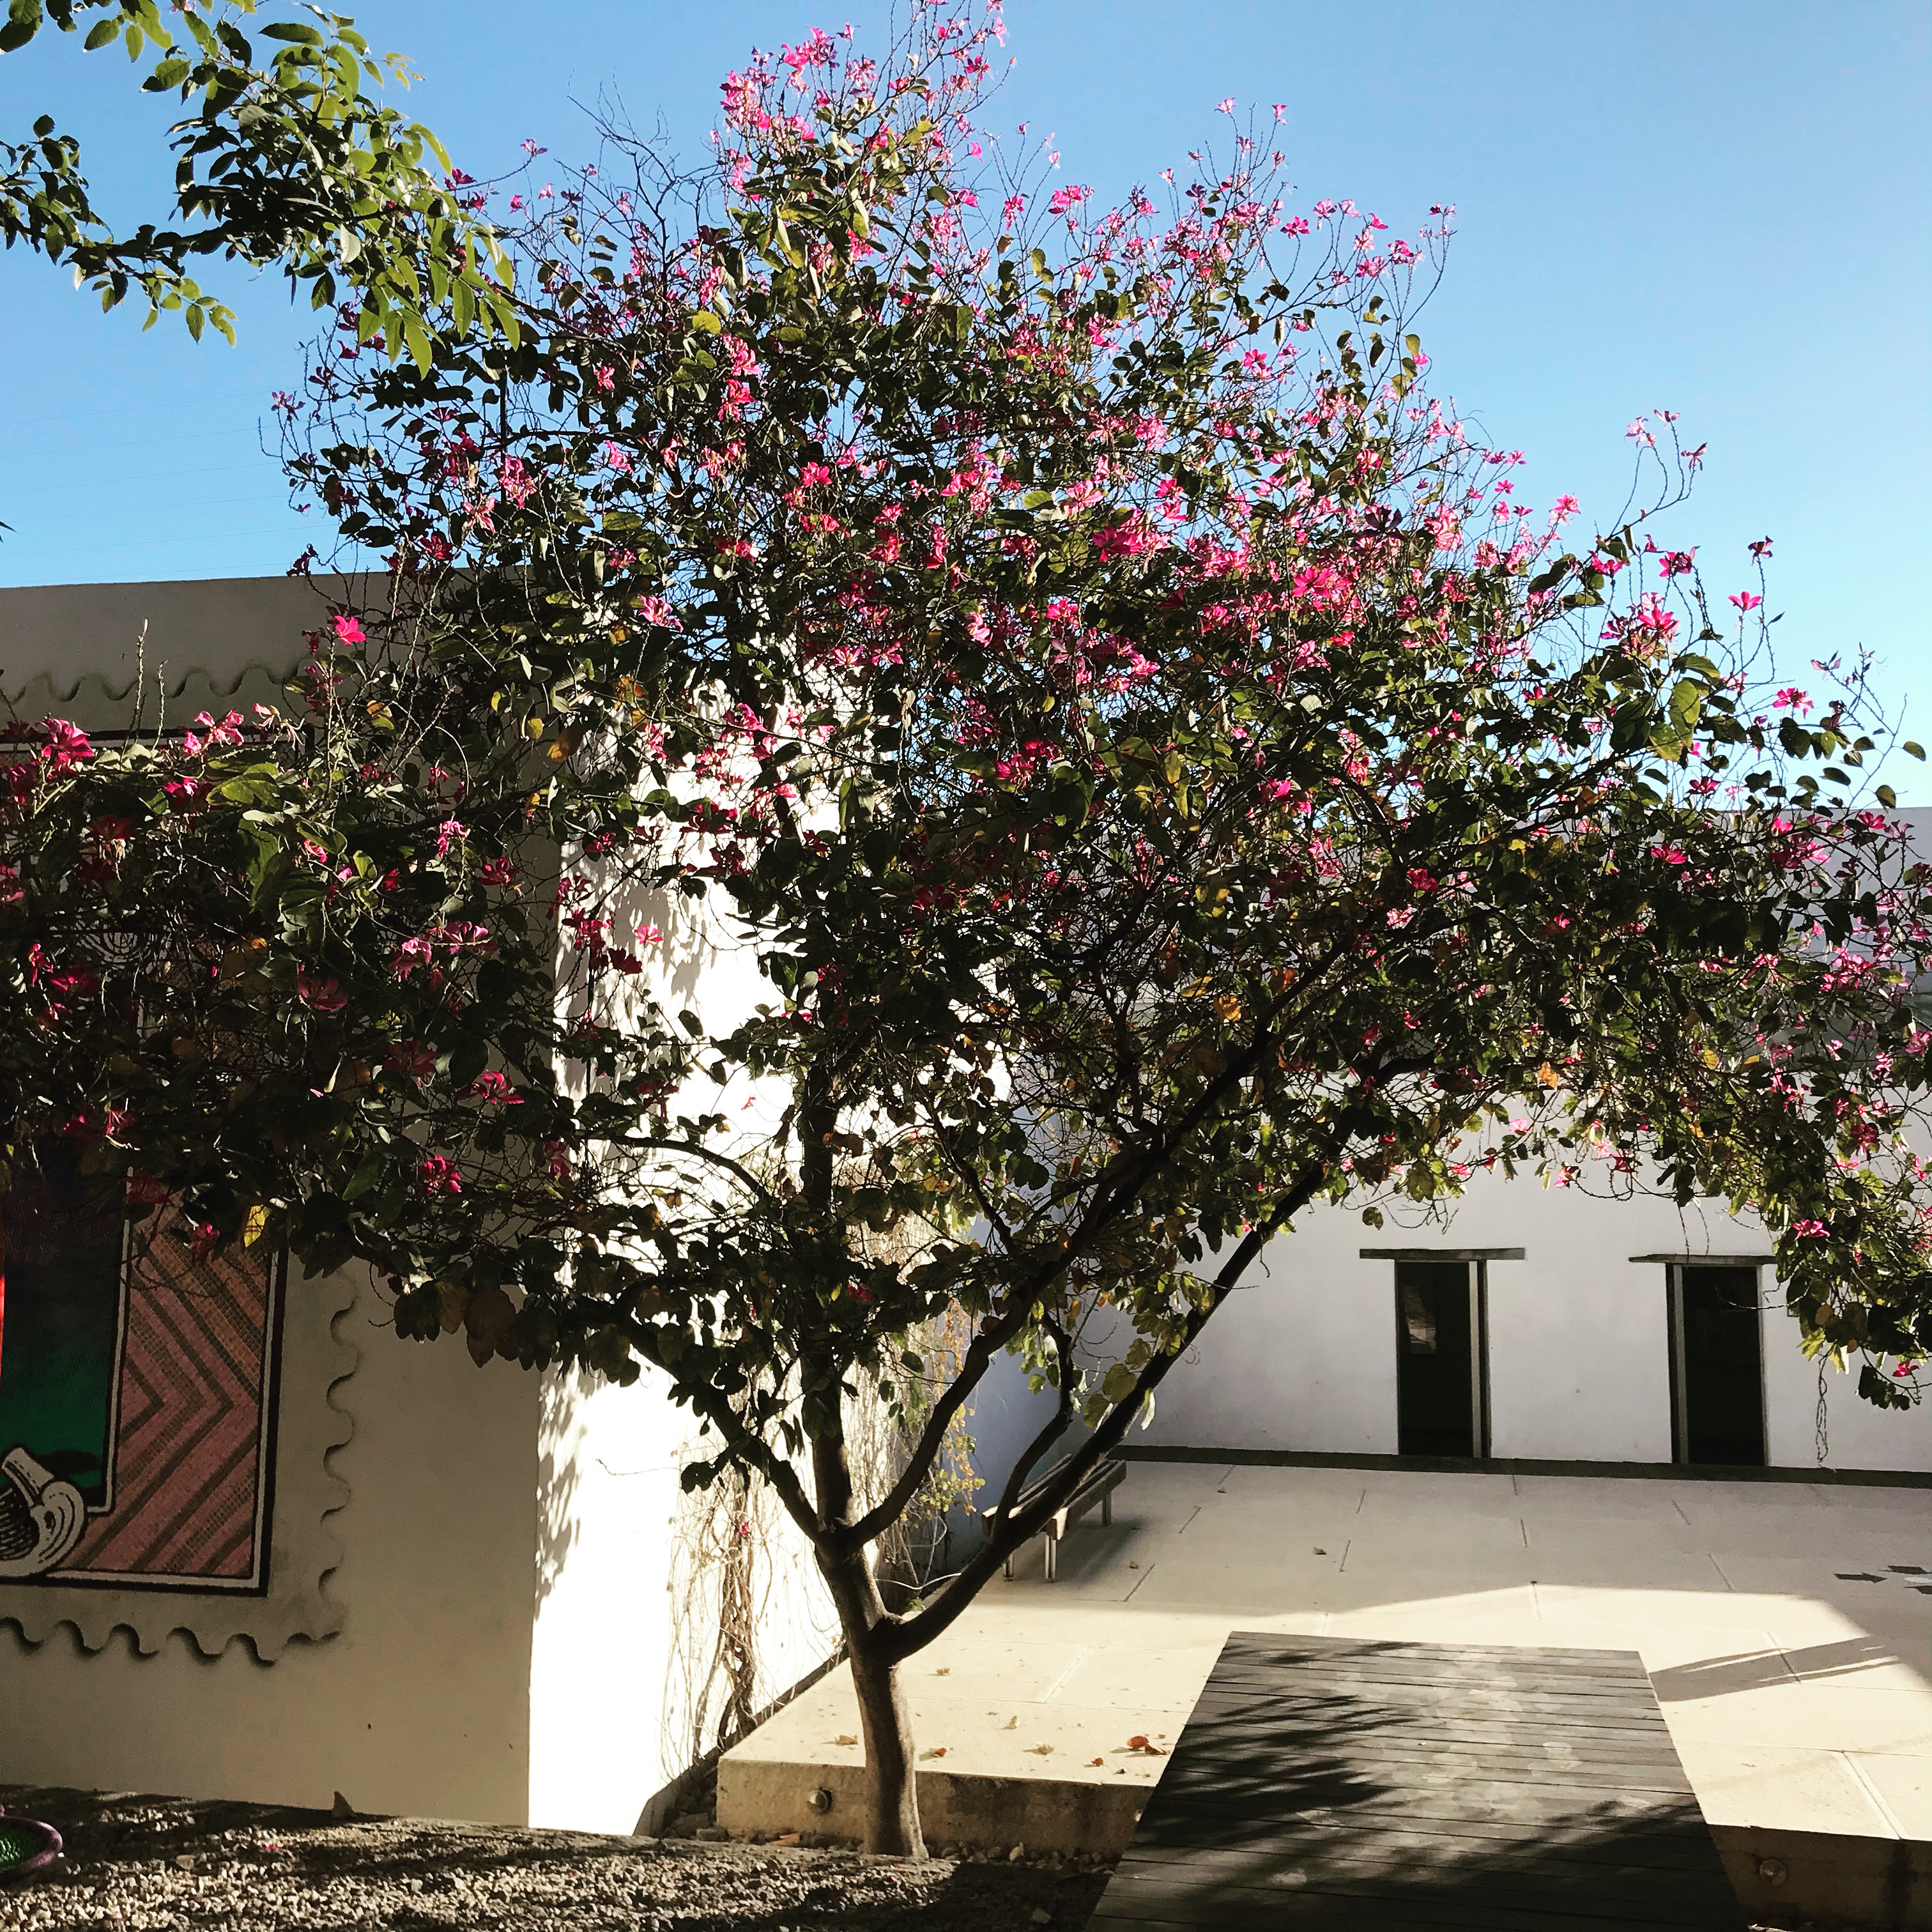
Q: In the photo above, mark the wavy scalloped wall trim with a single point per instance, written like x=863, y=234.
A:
x=313, y=1422
x=96, y=702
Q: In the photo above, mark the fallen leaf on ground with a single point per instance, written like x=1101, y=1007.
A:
x=937, y=1750
x=944, y=1670
x=1321, y=1553
x=1099, y=1761
x=1012, y=1723
x=845, y=1737
x=1141, y=1744
x=1041, y=1750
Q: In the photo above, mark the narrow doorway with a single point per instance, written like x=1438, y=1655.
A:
x=1717, y=1366
x=1441, y=1336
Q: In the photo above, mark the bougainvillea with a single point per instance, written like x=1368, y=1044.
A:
x=1161, y=773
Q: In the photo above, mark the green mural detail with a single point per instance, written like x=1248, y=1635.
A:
x=60, y=1325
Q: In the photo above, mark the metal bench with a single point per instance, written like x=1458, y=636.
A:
x=1097, y=1487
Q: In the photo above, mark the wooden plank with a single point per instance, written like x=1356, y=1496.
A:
x=1603, y=1743
x=1588, y=1860
x=1292, y=1698
x=1420, y=1788
x=1522, y=1888
x=1538, y=1769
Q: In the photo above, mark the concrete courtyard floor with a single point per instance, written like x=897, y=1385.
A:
x=1788, y=1638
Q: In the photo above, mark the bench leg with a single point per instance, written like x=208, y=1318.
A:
x=1107, y=1510
x=1052, y=1557
x=1007, y=1569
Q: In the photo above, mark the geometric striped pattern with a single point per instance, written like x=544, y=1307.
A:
x=1337, y=1783
x=188, y=1463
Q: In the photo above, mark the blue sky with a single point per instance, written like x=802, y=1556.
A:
x=1722, y=209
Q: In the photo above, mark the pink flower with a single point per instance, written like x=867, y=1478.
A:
x=1226, y=106
x=656, y=610
x=1810, y=1230
x=1677, y=562
x=558, y=1155
x=319, y=995
x=412, y=1058
x=494, y=1089
x=450, y=830
x=63, y=744
x=348, y=632
x=516, y=481
x=205, y=1240
x=499, y=872
x=1744, y=601
x=438, y=1175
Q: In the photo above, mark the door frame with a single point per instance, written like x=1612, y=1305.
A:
x=1680, y=1408
x=1479, y=1343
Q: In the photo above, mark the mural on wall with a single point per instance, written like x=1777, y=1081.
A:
x=137, y=1400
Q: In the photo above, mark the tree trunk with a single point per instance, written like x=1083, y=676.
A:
x=891, y=1822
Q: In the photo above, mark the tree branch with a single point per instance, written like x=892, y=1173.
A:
x=716, y=1410
x=912, y=1633
x=980, y=1355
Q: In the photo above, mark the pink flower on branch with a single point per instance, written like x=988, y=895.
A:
x=438, y=1175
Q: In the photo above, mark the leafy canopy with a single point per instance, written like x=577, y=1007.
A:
x=286, y=160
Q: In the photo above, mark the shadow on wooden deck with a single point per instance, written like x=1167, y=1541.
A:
x=1329, y=1782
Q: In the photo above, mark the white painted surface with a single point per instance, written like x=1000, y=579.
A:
x=624, y=1631
x=1304, y=1359
x=1798, y=1698
x=420, y=1705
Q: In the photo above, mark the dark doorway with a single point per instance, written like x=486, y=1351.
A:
x=1441, y=1369
x=1716, y=1382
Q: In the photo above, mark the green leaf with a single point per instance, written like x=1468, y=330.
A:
x=706, y=321
x=23, y=22
x=1886, y=796
x=290, y=30
x=1912, y=751
x=417, y=337
x=100, y=35
x=368, y=1171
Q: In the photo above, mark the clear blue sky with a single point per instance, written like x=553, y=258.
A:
x=1722, y=209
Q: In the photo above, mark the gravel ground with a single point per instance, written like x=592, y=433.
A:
x=140, y=1862
x=169, y=1864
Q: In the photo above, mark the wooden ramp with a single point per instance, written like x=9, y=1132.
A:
x=1329, y=1782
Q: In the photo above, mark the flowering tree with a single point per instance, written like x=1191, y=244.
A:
x=1164, y=777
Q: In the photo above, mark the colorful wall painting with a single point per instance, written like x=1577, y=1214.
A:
x=137, y=1400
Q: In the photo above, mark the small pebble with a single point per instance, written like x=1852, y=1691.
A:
x=160, y=1865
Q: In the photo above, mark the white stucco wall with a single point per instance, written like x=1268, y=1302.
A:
x=420, y=1704
x=623, y=1618
x=1304, y=1359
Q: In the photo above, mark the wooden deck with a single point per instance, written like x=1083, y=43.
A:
x=1329, y=1782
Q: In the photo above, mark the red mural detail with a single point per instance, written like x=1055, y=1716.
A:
x=187, y=1466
